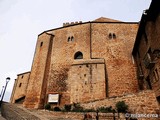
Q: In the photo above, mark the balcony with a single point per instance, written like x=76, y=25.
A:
x=148, y=62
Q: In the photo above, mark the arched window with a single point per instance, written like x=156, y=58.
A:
x=78, y=55
x=110, y=36
x=72, y=38
x=114, y=36
x=69, y=39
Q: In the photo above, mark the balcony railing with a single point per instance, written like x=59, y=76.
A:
x=148, y=62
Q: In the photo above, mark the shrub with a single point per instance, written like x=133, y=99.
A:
x=121, y=107
x=77, y=108
x=101, y=109
x=47, y=106
x=57, y=109
x=76, y=105
x=89, y=110
x=63, y=110
x=105, y=109
x=109, y=109
x=67, y=107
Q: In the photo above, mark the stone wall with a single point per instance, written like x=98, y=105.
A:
x=92, y=39
x=67, y=41
x=35, y=97
x=116, y=50
x=87, y=80
x=142, y=102
x=53, y=61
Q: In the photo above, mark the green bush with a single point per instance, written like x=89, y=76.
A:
x=47, y=106
x=76, y=105
x=105, y=109
x=89, y=110
x=109, y=109
x=77, y=108
x=121, y=107
x=67, y=107
x=57, y=109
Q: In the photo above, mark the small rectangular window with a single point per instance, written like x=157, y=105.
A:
x=20, y=84
x=148, y=59
x=41, y=44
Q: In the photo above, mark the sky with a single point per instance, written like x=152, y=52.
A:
x=22, y=20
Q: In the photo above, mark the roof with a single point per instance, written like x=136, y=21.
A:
x=98, y=20
x=103, y=19
x=23, y=73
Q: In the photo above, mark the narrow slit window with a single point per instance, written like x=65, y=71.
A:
x=20, y=84
x=110, y=36
x=69, y=39
x=114, y=36
x=41, y=44
x=72, y=38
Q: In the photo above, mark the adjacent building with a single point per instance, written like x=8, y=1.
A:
x=147, y=49
x=20, y=88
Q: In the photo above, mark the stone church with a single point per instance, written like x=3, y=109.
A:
x=85, y=62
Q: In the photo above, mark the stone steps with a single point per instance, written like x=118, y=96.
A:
x=12, y=112
x=17, y=112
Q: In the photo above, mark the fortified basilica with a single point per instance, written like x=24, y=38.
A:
x=95, y=63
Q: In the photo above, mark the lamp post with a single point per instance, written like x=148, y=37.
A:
x=7, y=80
x=1, y=91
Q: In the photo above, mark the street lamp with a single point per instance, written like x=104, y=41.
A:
x=1, y=91
x=7, y=80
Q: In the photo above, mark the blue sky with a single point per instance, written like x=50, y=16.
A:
x=22, y=20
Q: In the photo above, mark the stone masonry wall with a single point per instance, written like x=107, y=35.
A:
x=62, y=57
x=93, y=41
x=34, y=97
x=87, y=80
x=53, y=61
x=142, y=102
x=116, y=50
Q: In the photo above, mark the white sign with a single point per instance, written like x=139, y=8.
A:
x=53, y=98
